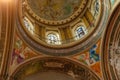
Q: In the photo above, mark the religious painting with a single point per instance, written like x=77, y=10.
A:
x=21, y=52
x=54, y=9
x=91, y=57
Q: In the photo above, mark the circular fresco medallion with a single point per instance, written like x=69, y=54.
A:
x=56, y=11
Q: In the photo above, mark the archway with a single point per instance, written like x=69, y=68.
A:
x=111, y=47
x=39, y=68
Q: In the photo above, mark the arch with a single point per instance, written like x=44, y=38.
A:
x=64, y=65
x=110, y=45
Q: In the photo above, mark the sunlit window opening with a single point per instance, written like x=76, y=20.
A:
x=96, y=7
x=53, y=39
x=80, y=32
x=29, y=25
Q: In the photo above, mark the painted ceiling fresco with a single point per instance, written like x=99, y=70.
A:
x=90, y=58
x=54, y=9
x=20, y=52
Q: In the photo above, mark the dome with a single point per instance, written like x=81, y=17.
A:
x=59, y=25
x=56, y=12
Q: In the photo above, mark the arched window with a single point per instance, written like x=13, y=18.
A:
x=53, y=38
x=28, y=25
x=80, y=32
x=96, y=7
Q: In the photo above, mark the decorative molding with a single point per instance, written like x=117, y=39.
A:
x=110, y=54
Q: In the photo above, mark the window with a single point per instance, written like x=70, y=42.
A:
x=28, y=25
x=53, y=38
x=96, y=7
x=80, y=32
